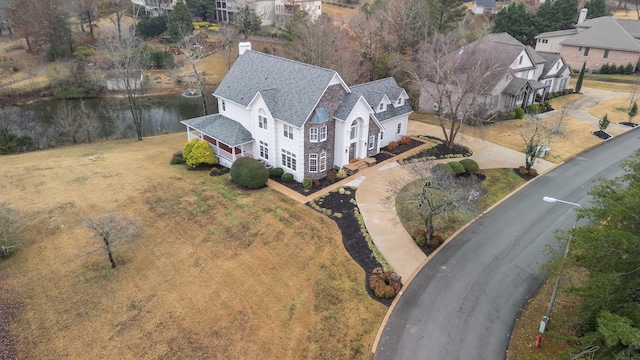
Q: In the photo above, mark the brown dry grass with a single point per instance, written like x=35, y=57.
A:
x=616, y=110
x=219, y=272
x=575, y=135
x=522, y=344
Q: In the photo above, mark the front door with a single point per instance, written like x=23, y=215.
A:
x=352, y=151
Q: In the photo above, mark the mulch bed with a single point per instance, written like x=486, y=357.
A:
x=603, y=135
x=628, y=124
x=440, y=151
x=354, y=241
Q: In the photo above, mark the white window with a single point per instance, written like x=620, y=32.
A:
x=288, y=159
x=381, y=106
x=224, y=106
x=288, y=131
x=372, y=142
x=313, y=134
x=435, y=107
x=313, y=163
x=381, y=135
x=323, y=161
x=520, y=61
x=399, y=102
x=354, y=132
x=264, y=150
x=323, y=133
x=262, y=119
x=399, y=128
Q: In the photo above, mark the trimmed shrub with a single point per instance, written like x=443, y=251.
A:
x=523, y=170
x=392, y=146
x=249, y=173
x=405, y=140
x=456, y=167
x=175, y=160
x=444, y=169
x=286, y=177
x=332, y=175
x=307, y=183
x=533, y=172
x=188, y=147
x=628, y=70
x=200, y=154
x=470, y=166
x=519, y=113
x=342, y=173
x=436, y=240
x=277, y=172
x=533, y=109
x=379, y=284
x=421, y=239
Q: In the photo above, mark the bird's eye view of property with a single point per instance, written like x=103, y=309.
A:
x=306, y=179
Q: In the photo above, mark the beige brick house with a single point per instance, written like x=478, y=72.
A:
x=604, y=40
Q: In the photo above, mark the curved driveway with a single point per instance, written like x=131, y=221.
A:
x=463, y=302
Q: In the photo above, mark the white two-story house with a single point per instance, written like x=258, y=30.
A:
x=302, y=118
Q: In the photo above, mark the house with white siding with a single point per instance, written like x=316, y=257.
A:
x=302, y=118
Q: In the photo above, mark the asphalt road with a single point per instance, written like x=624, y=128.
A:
x=463, y=304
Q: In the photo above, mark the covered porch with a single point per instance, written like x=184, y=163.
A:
x=523, y=92
x=228, y=139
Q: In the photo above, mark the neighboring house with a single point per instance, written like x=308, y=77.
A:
x=302, y=118
x=479, y=7
x=518, y=74
x=116, y=80
x=272, y=12
x=156, y=7
x=599, y=41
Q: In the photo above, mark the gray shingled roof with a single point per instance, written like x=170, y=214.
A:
x=605, y=33
x=393, y=111
x=487, y=4
x=221, y=128
x=374, y=91
x=291, y=89
x=632, y=27
x=551, y=60
x=515, y=86
x=557, y=33
x=344, y=109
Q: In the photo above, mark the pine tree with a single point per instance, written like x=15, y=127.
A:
x=633, y=111
x=179, y=22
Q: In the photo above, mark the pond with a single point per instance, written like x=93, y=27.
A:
x=161, y=115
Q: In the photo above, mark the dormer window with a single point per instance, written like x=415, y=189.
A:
x=399, y=102
x=381, y=107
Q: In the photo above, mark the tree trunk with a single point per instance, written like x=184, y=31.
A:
x=113, y=263
x=90, y=23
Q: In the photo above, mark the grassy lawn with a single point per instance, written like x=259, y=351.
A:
x=498, y=184
x=613, y=82
x=218, y=272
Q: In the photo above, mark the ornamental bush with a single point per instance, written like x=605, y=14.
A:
x=277, y=172
x=456, y=167
x=405, y=140
x=286, y=177
x=392, y=145
x=442, y=169
x=379, y=284
x=201, y=154
x=188, y=147
x=307, y=183
x=519, y=113
x=470, y=166
x=249, y=173
x=533, y=109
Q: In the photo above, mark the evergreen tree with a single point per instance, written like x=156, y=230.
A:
x=608, y=249
x=633, y=111
x=597, y=8
x=444, y=15
x=179, y=22
x=247, y=21
x=580, y=78
x=517, y=22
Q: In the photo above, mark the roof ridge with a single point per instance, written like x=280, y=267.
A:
x=291, y=60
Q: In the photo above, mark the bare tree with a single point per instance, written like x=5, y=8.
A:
x=456, y=80
x=537, y=137
x=368, y=35
x=559, y=116
x=67, y=121
x=407, y=24
x=112, y=231
x=88, y=120
x=115, y=10
x=9, y=237
x=124, y=59
x=441, y=194
x=194, y=48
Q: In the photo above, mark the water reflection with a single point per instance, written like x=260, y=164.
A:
x=161, y=114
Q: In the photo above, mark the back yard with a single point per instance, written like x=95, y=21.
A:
x=218, y=273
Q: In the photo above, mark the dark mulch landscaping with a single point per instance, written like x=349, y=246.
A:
x=354, y=241
x=440, y=151
x=628, y=124
x=602, y=134
x=386, y=154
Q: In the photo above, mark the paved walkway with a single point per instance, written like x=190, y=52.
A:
x=376, y=184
